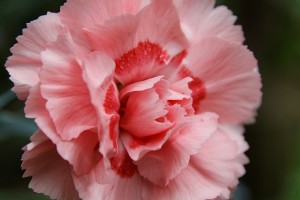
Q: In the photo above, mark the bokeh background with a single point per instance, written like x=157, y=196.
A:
x=272, y=29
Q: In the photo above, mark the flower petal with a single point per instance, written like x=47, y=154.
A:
x=231, y=78
x=79, y=152
x=24, y=64
x=211, y=172
x=143, y=109
x=118, y=189
x=95, y=12
x=62, y=85
x=98, y=69
x=51, y=174
x=199, y=20
x=186, y=140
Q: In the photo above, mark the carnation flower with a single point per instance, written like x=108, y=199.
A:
x=136, y=100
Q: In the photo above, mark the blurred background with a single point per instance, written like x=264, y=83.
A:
x=272, y=30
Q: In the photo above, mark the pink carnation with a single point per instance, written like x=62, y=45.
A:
x=136, y=100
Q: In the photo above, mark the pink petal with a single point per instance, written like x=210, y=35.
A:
x=200, y=20
x=139, y=86
x=68, y=99
x=98, y=69
x=80, y=152
x=186, y=140
x=24, y=64
x=231, y=78
x=140, y=52
x=211, y=172
x=118, y=188
x=143, y=109
x=95, y=12
x=51, y=174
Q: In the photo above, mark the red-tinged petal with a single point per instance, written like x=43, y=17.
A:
x=118, y=189
x=24, y=64
x=98, y=69
x=141, y=114
x=200, y=20
x=51, y=174
x=186, y=140
x=138, y=147
x=231, y=79
x=140, y=52
x=67, y=95
x=110, y=122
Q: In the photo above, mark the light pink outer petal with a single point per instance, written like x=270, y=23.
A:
x=199, y=20
x=125, y=32
x=210, y=173
x=173, y=157
x=51, y=174
x=78, y=14
x=24, y=64
x=118, y=189
x=78, y=152
x=67, y=95
x=231, y=79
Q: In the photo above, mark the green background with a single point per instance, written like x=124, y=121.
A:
x=272, y=29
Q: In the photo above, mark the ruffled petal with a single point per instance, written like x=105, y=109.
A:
x=62, y=85
x=51, y=174
x=199, y=20
x=210, y=173
x=186, y=140
x=231, y=79
x=143, y=109
x=24, y=64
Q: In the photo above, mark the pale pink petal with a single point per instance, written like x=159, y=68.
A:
x=95, y=12
x=35, y=108
x=143, y=109
x=190, y=184
x=199, y=20
x=186, y=140
x=231, y=79
x=24, y=64
x=80, y=152
x=210, y=173
x=51, y=174
x=62, y=85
